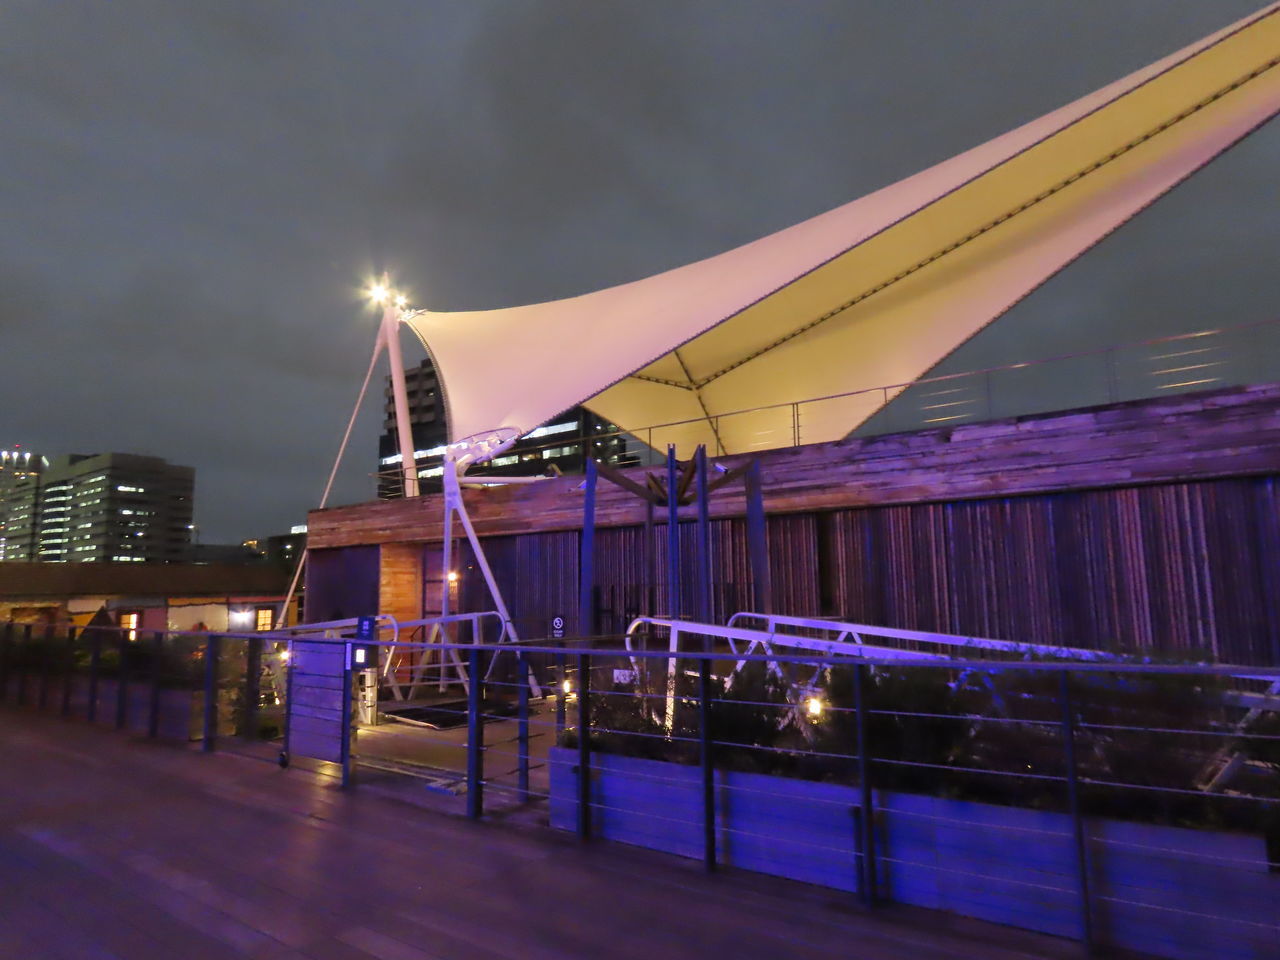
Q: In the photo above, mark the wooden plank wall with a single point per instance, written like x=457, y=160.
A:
x=1227, y=433
x=1151, y=526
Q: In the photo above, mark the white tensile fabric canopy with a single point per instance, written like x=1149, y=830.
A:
x=877, y=291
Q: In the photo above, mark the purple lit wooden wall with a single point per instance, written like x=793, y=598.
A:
x=1148, y=526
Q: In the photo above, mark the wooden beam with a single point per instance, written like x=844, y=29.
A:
x=626, y=483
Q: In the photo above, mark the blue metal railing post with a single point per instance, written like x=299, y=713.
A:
x=344, y=751
x=1073, y=804
x=210, y=728
x=584, y=748
x=586, y=559
x=153, y=705
x=867, y=816
x=704, y=540
x=522, y=728
x=673, y=534
x=475, y=743
x=708, y=765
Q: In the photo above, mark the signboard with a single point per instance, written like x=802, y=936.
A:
x=365, y=627
x=557, y=628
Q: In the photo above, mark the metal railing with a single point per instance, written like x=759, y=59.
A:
x=1202, y=360
x=1079, y=797
x=1066, y=796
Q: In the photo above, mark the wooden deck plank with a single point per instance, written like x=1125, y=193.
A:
x=164, y=852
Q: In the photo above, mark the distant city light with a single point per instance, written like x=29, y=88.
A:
x=814, y=707
x=453, y=576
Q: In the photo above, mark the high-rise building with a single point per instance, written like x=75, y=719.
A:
x=20, y=472
x=556, y=446
x=114, y=507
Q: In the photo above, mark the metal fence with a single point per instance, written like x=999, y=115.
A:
x=1124, y=804
x=177, y=685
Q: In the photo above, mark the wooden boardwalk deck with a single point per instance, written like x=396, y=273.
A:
x=118, y=848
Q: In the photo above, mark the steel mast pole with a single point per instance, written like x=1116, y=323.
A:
x=404, y=429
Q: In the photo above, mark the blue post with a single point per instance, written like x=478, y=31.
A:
x=522, y=727
x=704, y=540
x=586, y=562
x=584, y=748
x=475, y=739
x=1073, y=807
x=708, y=767
x=345, y=744
x=673, y=535
x=867, y=819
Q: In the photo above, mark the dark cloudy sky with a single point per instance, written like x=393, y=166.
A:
x=191, y=193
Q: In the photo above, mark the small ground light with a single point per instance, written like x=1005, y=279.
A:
x=814, y=707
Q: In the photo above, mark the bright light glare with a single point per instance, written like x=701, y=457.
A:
x=453, y=576
x=284, y=655
x=401, y=301
x=814, y=706
x=378, y=293
x=567, y=687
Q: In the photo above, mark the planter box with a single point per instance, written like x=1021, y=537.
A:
x=1186, y=894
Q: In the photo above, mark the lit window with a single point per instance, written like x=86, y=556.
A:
x=264, y=618
x=129, y=624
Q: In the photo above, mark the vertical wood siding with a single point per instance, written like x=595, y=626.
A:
x=1175, y=569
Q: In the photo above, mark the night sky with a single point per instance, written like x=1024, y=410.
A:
x=194, y=193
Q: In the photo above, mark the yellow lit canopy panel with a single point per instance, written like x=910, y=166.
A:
x=877, y=291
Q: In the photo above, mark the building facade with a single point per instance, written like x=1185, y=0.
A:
x=20, y=474
x=557, y=446
x=114, y=508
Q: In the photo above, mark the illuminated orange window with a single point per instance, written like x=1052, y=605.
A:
x=265, y=618
x=129, y=624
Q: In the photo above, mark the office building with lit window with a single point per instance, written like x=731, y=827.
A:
x=20, y=473
x=556, y=446
x=114, y=508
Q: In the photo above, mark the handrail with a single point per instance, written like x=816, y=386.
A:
x=858, y=630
